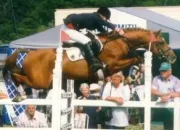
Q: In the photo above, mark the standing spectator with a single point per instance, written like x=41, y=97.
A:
x=107, y=79
x=31, y=118
x=90, y=111
x=115, y=91
x=166, y=87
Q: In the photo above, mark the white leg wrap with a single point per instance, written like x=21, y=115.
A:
x=21, y=90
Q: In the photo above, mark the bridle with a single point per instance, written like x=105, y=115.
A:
x=161, y=52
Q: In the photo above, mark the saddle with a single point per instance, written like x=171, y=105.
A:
x=76, y=52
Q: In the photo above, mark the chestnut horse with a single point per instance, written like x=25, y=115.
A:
x=38, y=65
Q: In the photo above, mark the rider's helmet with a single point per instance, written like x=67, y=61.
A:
x=104, y=11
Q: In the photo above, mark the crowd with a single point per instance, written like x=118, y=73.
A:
x=115, y=88
x=165, y=87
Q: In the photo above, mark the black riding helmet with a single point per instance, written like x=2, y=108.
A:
x=105, y=12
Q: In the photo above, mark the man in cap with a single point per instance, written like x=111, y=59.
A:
x=166, y=87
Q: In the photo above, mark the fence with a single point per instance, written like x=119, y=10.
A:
x=56, y=106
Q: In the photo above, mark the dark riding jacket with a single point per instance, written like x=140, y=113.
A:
x=90, y=21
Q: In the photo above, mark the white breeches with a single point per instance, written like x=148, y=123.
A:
x=76, y=35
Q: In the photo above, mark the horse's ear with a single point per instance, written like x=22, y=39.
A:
x=157, y=33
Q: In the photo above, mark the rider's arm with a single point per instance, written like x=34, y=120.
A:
x=105, y=23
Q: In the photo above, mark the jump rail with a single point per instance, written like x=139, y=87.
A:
x=56, y=105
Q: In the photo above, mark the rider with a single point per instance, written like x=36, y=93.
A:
x=91, y=21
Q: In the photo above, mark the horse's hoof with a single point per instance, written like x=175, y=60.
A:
x=19, y=98
x=23, y=97
x=100, y=74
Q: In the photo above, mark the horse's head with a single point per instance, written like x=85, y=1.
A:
x=161, y=48
x=141, y=38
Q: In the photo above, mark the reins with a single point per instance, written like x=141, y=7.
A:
x=118, y=37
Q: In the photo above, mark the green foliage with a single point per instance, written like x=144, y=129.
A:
x=20, y=18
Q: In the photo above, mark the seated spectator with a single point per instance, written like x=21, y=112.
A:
x=31, y=118
x=166, y=87
x=80, y=119
x=90, y=111
x=115, y=91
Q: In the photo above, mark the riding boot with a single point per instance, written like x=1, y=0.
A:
x=94, y=63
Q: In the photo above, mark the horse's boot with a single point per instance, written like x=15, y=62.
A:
x=94, y=63
x=19, y=98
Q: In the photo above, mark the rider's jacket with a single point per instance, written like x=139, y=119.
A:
x=90, y=21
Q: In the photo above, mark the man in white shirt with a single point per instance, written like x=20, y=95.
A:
x=31, y=118
x=115, y=91
x=166, y=87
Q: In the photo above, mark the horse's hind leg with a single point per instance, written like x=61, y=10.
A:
x=22, y=79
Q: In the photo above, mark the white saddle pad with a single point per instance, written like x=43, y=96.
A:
x=74, y=53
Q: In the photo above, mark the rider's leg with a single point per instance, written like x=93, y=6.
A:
x=94, y=63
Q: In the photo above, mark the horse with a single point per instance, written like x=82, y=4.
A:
x=37, y=68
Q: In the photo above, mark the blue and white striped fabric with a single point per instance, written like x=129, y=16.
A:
x=20, y=59
x=11, y=87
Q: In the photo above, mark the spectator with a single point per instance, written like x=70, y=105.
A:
x=166, y=87
x=95, y=90
x=102, y=84
x=3, y=95
x=31, y=118
x=90, y=111
x=80, y=118
x=115, y=91
x=1, y=121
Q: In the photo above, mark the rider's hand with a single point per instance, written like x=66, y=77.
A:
x=120, y=31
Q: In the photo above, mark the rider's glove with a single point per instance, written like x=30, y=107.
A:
x=120, y=31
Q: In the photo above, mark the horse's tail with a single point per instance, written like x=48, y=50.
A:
x=5, y=70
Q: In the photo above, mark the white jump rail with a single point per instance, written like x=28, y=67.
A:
x=55, y=101
x=56, y=104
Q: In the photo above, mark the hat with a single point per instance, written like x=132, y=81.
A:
x=165, y=66
x=94, y=87
x=105, y=12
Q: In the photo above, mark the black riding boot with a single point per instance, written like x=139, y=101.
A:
x=94, y=63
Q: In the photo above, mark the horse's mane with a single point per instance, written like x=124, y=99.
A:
x=125, y=30
x=115, y=35
x=135, y=29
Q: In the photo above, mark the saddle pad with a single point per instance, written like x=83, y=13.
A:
x=74, y=53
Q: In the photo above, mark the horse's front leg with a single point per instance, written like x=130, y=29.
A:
x=117, y=65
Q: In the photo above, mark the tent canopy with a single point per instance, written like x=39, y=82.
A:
x=45, y=39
